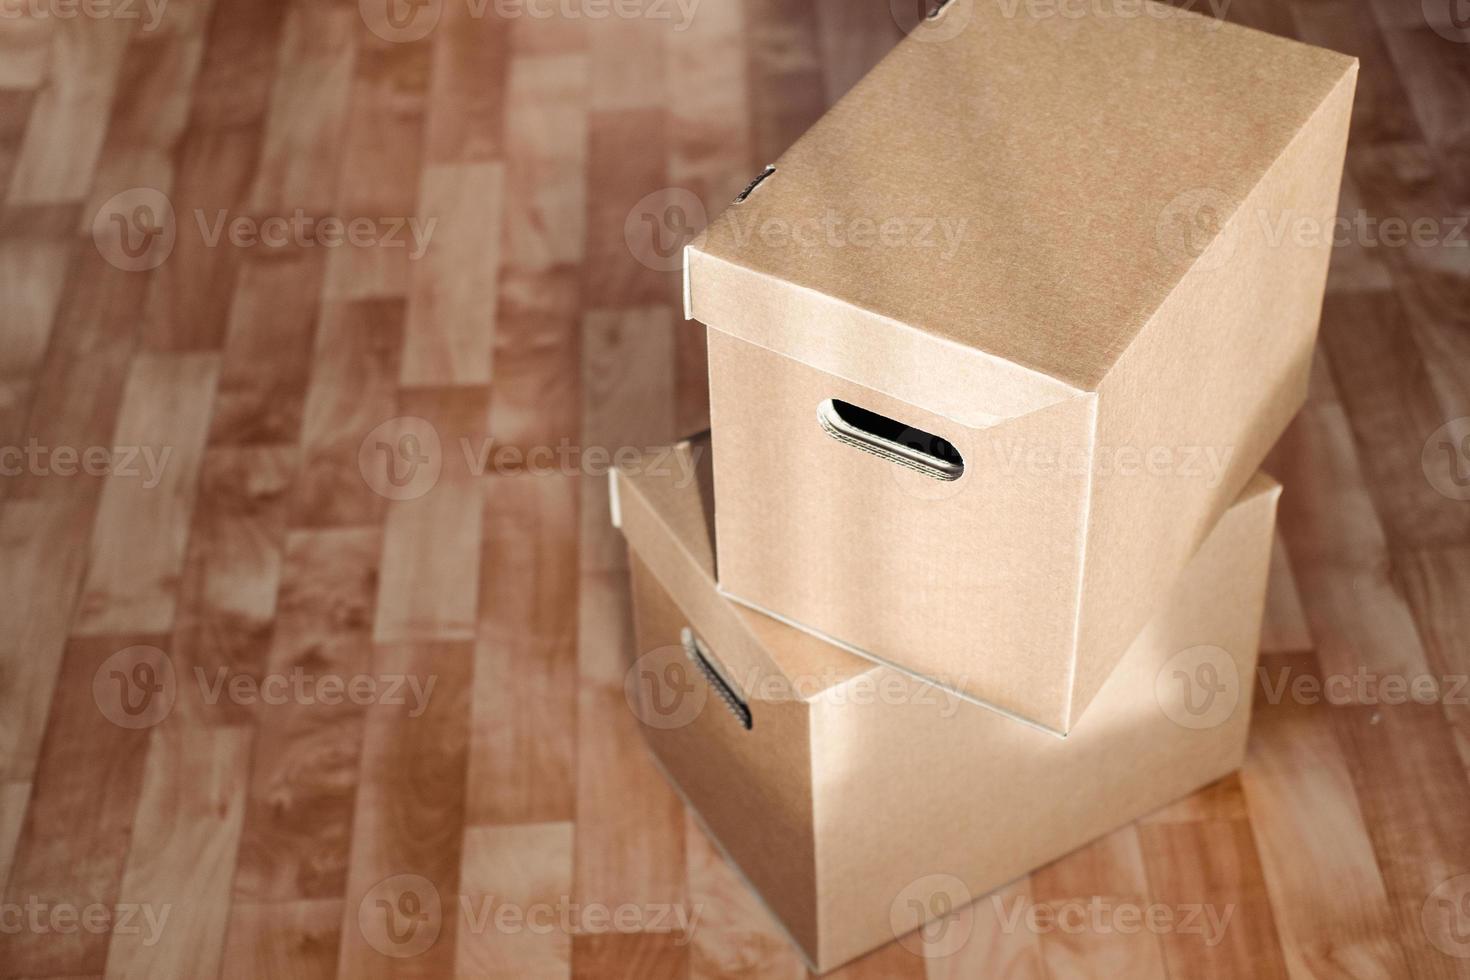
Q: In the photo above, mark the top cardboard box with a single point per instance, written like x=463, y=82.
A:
x=996, y=343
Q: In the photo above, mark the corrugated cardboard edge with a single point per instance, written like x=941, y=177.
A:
x=614, y=499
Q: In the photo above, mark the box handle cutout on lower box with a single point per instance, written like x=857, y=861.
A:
x=695, y=651
x=891, y=439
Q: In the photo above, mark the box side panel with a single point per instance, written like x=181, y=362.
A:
x=1194, y=405
x=907, y=786
x=752, y=788
x=972, y=582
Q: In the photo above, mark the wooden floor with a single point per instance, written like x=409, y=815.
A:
x=151, y=609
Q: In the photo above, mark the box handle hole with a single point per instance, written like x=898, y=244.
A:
x=891, y=440
x=695, y=651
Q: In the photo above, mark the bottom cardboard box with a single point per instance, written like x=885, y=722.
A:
x=865, y=805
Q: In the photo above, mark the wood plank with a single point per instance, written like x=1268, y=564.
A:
x=290, y=940
x=524, y=736
x=25, y=51
x=628, y=401
x=302, y=152
x=43, y=553
x=650, y=955
x=1437, y=584
x=190, y=293
x=151, y=107
x=536, y=398
x=853, y=38
x=736, y=936
x=452, y=296
x=431, y=542
x=32, y=274
x=78, y=827
x=409, y=817
x=1340, y=554
x=630, y=822
x=1111, y=872
x=353, y=389
x=546, y=146
x=528, y=869
x=634, y=237
x=381, y=157
x=1414, y=796
x=298, y=820
x=1208, y=873
x=787, y=87
x=79, y=387
x=627, y=62
x=267, y=352
x=69, y=122
x=1391, y=405
x=144, y=514
x=1332, y=912
x=231, y=573
x=467, y=98
x=1436, y=74
x=183, y=851
x=15, y=796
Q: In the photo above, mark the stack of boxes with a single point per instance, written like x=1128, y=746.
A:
x=977, y=556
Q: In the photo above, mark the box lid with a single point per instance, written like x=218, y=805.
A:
x=987, y=220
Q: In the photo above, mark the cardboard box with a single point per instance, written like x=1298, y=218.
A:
x=850, y=794
x=1085, y=255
